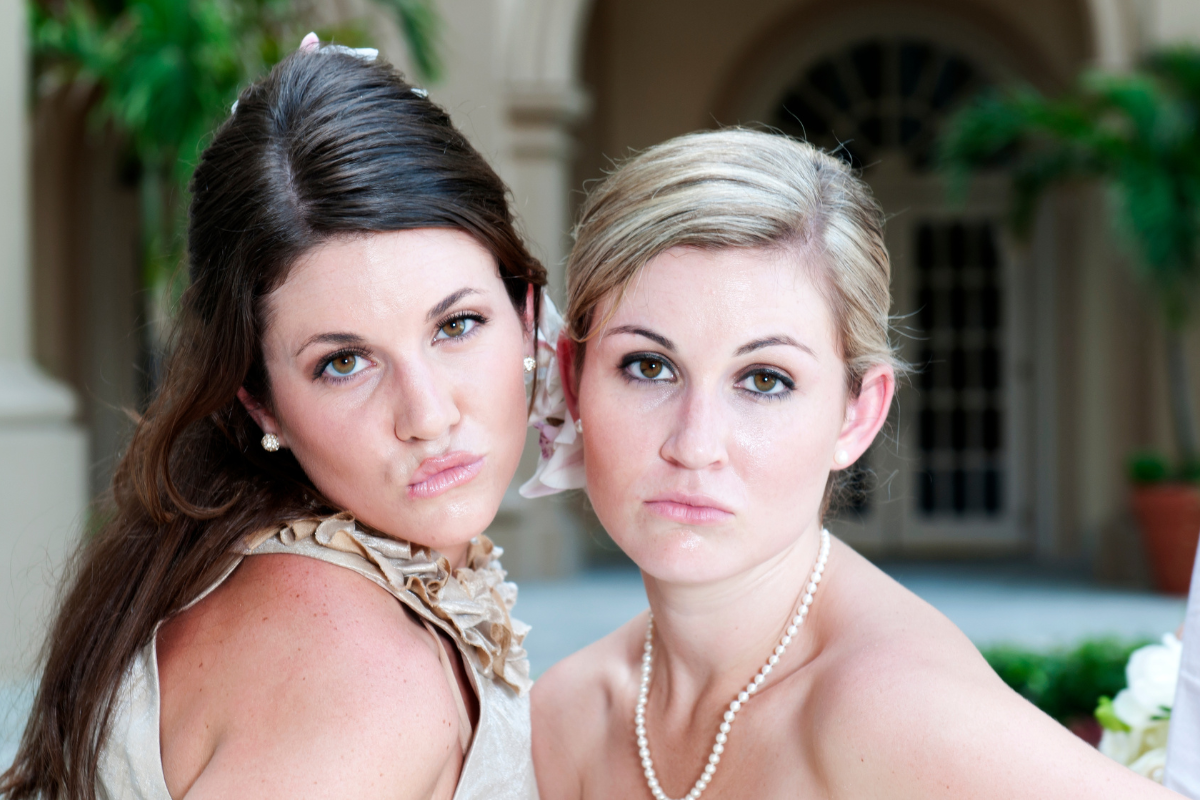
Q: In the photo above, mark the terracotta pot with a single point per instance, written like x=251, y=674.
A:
x=1169, y=515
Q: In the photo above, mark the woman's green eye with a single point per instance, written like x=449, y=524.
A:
x=456, y=328
x=765, y=381
x=650, y=368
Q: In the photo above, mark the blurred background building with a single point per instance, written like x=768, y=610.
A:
x=1041, y=366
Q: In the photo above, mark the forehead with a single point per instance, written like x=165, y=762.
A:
x=379, y=275
x=729, y=294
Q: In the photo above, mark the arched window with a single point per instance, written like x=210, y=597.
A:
x=879, y=95
x=880, y=102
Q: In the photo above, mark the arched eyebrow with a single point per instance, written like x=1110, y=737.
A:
x=773, y=341
x=450, y=300
x=657, y=338
x=341, y=339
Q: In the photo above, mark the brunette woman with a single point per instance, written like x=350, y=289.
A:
x=292, y=597
x=729, y=354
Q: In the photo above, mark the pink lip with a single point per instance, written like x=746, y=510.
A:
x=691, y=509
x=438, y=474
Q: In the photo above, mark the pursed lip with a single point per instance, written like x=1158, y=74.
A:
x=693, y=509
x=438, y=474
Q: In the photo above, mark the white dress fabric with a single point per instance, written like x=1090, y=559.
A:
x=1183, y=741
x=470, y=605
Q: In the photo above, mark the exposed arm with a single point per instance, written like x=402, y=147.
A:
x=318, y=686
x=936, y=722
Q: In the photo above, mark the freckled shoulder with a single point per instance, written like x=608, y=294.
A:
x=587, y=685
x=302, y=674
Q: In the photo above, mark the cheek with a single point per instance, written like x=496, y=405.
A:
x=623, y=434
x=783, y=459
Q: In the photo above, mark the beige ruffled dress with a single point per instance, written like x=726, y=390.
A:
x=470, y=605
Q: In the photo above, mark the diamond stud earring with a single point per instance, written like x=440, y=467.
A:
x=530, y=364
x=270, y=442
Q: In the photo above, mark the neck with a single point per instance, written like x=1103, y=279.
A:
x=713, y=637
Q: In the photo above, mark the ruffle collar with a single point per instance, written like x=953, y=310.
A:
x=473, y=601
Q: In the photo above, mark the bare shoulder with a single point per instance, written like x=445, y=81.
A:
x=905, y=706
x=584, y=686
x=306, y=675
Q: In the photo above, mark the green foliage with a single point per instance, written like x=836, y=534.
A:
x=1106, y=715
x=1066, y=684
x=1148, y=467
x=169, y=70
x=1138, y=133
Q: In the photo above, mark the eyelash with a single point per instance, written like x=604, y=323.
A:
x=788, y=384
x=323, y=364
x=474, y=316
x=633, y=358
x=319, y=372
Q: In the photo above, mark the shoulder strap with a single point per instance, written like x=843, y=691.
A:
x=464, y=719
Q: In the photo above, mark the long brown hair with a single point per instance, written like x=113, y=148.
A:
x=326, y=145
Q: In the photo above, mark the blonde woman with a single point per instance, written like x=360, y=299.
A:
x=727, y=353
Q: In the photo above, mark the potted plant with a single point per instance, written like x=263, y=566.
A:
x=1138, y=135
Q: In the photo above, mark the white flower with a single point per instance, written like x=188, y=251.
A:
x=1151, y=764
x=1145, y=706
x=560, y=456
x=1153, y=672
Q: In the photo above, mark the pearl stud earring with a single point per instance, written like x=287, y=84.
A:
x=530, y=364
x=270, y=442
x=579, y=426
x=842, y=458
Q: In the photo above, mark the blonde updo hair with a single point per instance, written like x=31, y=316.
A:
x=739, y=188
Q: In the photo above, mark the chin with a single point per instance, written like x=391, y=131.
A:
x=684, y=555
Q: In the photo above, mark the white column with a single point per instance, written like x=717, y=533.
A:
x=42, y=451
x=1171, y=22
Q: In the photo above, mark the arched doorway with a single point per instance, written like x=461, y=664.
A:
x=956, y=470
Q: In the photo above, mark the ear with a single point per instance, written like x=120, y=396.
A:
x=866, y=413
x=566, y=371
x=261, y=415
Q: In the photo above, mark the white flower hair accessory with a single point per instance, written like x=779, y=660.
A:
x=311, y=43
x=560, y=456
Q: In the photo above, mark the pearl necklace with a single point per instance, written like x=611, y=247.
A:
x=723, y=732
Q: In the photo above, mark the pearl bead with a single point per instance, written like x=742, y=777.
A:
x=743, y=696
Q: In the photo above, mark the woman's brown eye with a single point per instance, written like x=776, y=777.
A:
x=765, y=381
x=650, y=368
x=455, y=328
x=344, y=365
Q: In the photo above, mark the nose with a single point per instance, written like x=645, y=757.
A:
x=697, y=440
x=426, y=408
